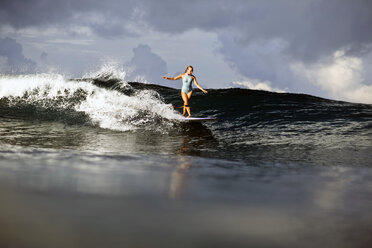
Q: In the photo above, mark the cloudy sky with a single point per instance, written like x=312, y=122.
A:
x=318, y=47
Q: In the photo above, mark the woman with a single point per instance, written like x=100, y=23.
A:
x=186, y=92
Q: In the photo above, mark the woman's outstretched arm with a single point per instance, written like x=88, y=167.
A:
x=198, y=85
x=173, y=78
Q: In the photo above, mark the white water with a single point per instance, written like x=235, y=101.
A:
x=106, y=108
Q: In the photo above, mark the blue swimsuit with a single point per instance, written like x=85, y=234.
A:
x=186, y=83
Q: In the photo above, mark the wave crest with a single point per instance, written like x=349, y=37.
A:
x=52, y=97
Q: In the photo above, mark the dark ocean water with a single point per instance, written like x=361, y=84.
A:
x=99, y=162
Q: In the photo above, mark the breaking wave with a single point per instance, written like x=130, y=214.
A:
x=84, y=101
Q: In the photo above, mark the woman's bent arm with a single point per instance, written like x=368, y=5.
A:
x=173, y=78
x=198, y=85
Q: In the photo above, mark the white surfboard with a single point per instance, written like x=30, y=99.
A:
x=198, y=119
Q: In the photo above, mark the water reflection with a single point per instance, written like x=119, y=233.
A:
x=196, y=139
x=183, y=139
x=179, y=177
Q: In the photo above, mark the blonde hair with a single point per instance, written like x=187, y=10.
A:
x=189, y=66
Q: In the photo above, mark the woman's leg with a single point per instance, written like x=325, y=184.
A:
x=188, y=100
x=185, y=101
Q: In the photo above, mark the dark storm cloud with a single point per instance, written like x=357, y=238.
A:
x=19, y=13
x=15, y=61
x=102, y=16
x=312, y=27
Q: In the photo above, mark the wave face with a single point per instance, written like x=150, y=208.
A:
x=286, y=127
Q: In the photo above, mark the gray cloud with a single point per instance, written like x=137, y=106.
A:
x=147, y=64
x=264, y=60
x=43, y=56
x=311, y=27
x=110, y=30
x=13, y=59
x=19, y=14
x=103, y=17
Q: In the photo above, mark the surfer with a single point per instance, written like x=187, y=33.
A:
x=186, y=92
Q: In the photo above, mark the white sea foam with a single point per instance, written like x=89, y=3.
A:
x=255, y=84
x=106, y=108
x=112, y=69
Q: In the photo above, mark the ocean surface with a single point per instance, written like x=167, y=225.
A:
x=101, y=162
